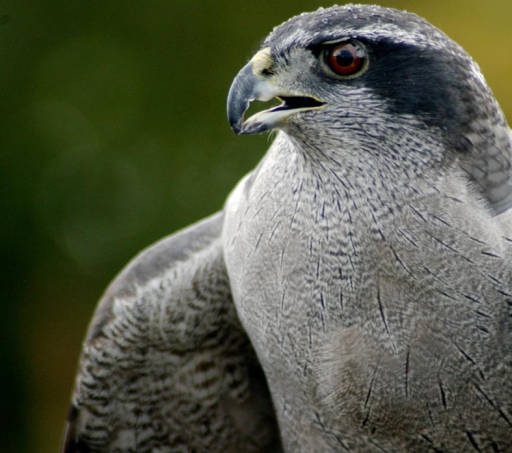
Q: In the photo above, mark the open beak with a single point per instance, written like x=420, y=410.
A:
x=254, y=83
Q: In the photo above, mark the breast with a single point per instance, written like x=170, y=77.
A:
x=307, y=292
x=285, y=241
x=264, y=251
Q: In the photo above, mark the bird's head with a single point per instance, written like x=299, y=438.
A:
x=363, y=74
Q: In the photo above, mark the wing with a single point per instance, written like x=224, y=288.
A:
x=165, y=365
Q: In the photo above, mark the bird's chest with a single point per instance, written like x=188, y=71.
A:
x=294, y=256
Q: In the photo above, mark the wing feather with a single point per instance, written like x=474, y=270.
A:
x=166, y=365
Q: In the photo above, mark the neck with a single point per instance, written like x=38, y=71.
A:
x=488, y=162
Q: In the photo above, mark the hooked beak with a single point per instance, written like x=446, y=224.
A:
x=254, y=82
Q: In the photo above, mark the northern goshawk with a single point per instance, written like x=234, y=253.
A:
x=354, y=294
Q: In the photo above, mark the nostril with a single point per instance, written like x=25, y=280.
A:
x=267, y=72
x=262, y=63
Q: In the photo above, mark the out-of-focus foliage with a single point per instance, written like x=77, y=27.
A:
x=113, y=134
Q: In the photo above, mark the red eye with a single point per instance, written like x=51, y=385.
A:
x=346, y=58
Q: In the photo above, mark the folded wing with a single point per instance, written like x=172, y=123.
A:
x=166, y=365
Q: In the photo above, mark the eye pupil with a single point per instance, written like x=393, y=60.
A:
x=346, y=58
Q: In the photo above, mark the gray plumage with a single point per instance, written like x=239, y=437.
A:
x=362, y=269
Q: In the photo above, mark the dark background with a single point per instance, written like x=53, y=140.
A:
x=112, y=135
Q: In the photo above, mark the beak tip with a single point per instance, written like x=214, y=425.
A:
x=236, y=114
x=236, y=127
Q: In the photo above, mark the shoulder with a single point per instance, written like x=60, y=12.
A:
x=153, y=262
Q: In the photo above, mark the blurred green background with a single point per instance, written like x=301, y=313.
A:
x=113, y=134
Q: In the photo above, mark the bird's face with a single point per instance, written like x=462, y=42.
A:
x=356, y=73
